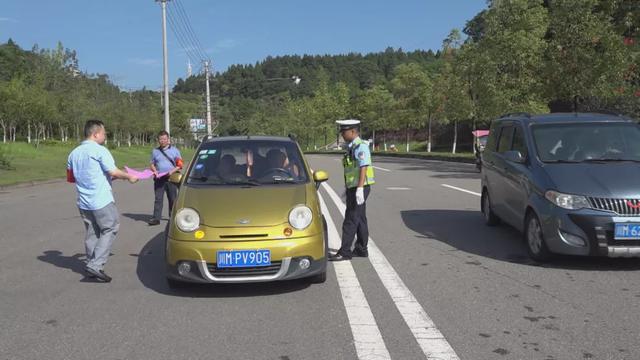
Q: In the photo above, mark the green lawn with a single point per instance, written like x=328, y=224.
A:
x=50, y=161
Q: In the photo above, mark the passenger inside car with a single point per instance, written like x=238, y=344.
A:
x=227, y=166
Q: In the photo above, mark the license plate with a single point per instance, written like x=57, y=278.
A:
x=627, y=232
x=243, y=258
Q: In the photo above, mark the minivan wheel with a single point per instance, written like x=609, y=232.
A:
x=534, y=238
x=490, y=218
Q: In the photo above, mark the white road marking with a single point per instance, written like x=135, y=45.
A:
x=383, y=169
x=460, y=189
x=366, y=334
x=398, y=188
x=430, y=339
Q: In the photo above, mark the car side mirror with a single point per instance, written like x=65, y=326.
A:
x=319, y=177
x=176, y=178
x=514, y=156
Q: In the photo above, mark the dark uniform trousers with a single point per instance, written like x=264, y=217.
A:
x=355, y=223
x=160, y=186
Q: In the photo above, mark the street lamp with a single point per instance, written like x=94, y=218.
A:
x=296, y=79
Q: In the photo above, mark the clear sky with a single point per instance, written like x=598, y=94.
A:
x=123, y=38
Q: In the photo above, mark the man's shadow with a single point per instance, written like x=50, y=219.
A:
x=74, y=262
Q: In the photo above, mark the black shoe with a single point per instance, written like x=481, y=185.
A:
x=339, y=257
x=154, y=221
x=98, y=274
x=357, y=252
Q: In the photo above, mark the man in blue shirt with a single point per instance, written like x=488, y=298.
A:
x=91, y=167
x=164, y=159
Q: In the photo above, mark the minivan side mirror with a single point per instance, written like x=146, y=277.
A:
x=319, y=177
x=514, y=156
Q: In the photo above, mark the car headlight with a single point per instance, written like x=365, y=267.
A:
x=567, y=201
x=300, y=217
x=187, y=219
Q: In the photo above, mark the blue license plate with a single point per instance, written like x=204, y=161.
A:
x=627, y=232
x=243, y=258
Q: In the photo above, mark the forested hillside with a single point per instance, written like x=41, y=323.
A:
x=518, y=55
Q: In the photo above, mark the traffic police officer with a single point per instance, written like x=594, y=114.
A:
x=358, y=178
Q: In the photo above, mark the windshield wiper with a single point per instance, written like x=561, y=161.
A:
x=562, y=161
x=243, y=182
x=279, y=180
x=610, y=160
x=200, y=178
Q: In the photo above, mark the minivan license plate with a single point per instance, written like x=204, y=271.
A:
x=243, y=258
x=627, y=232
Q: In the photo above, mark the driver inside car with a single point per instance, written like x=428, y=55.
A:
x=276, y=159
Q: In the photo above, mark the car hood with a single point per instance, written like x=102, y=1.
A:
x=609, y=180
x=239, y=206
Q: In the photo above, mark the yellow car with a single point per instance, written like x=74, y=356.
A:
x=247, y=211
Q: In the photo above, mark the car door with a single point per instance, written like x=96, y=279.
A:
x=517, y=180
x=496, y=168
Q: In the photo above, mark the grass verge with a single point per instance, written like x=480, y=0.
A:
x=49, y=161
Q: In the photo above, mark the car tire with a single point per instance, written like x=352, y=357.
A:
x=534, y=239
x=490, y=218
x=175, y=284
x=319, y=278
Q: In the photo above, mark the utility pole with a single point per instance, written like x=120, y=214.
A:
x=206, y=71
x=166, y=66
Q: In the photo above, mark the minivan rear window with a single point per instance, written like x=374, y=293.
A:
x=583, y=142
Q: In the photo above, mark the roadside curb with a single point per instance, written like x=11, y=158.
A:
x=404, y=155
x=27, y=184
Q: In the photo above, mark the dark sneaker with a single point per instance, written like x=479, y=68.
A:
x=339, y=257
x=357, y=252
x=154, y=222
x=98, y=274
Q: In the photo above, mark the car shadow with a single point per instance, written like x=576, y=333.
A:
x=73, y=262
x=151, y=272
x=465, y=231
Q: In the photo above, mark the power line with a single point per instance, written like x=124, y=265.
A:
x=187, y=22
x=177, y=32
x=183, y=30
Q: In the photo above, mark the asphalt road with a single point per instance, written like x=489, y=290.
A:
x=437, y=264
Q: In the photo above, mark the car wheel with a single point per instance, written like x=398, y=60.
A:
x=319, y=278
x=534, y=239
x=175, y=284
x=490, y=218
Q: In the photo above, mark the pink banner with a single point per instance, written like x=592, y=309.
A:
x=144, y=174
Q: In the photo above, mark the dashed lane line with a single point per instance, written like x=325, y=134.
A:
x=431, y=341
x=461, y=189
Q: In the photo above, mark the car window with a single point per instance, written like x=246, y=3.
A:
x=602, y=141
x=519, y=142
x=506, y=137
x=254, y=161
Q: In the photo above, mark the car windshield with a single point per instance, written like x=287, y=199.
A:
x=248, y=162
x=587, y=142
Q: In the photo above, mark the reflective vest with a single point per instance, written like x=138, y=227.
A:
x=351, y=168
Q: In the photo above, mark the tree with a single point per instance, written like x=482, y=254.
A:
x=586, y=57
x=375, y=107
x=412, y=89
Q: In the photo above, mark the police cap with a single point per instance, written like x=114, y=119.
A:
x=348, y=124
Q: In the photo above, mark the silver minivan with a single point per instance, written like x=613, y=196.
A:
x=569, y=182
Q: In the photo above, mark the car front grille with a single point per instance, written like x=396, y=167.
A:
x=245, y=271
x=623, y=207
